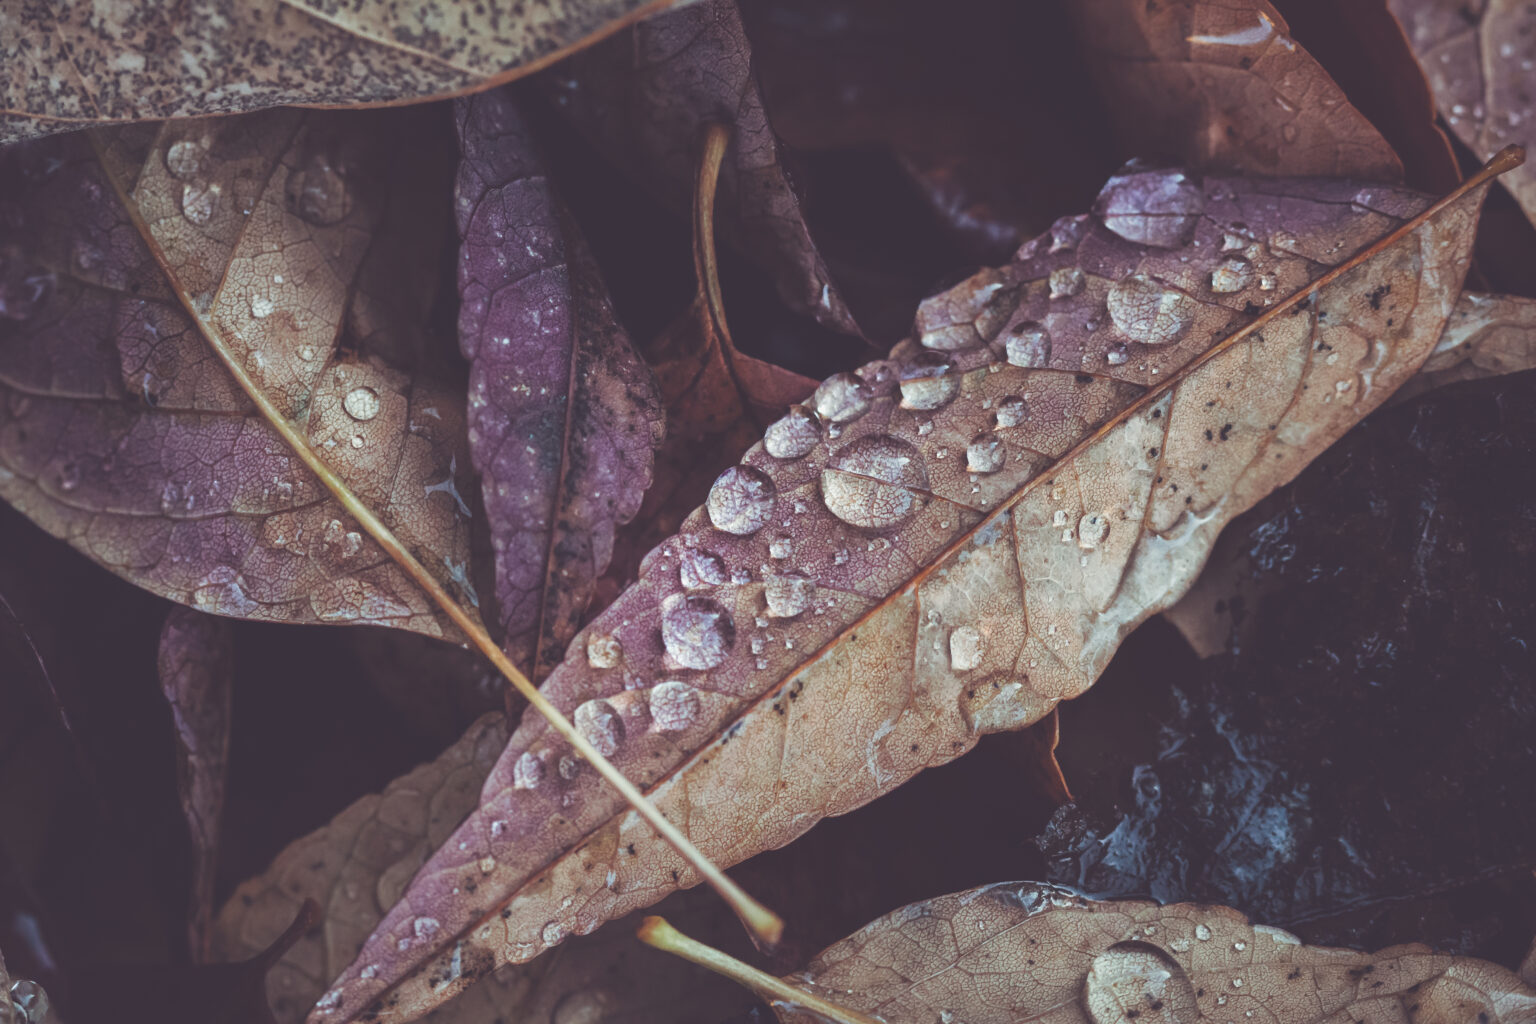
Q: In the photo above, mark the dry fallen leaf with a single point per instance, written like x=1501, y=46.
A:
x=563, y=415
x=1223, y=87
x=73, y=64
x=974, y=525
x=1020, y=952
x=197, y=655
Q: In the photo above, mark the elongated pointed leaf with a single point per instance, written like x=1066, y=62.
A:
x=975, y=524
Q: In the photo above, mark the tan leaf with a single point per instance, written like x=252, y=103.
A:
x=1019, y=952
x=72, y=64
x=1223, y=87
x=975, y=525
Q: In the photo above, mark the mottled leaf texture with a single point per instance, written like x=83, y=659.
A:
x=197, y=664
x=1021, y=952
x=944, y=544
x=1223, y=87
x=76, y=63
x=641, y=98
x=563, y=415
x=122, y=433
x=1480, y=59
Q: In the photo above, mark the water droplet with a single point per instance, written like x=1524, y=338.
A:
x=1091, y=530
x=1067, y=232
x=1029, y=344
x=986, y=453
x=793, y=434
x=1012, y=411
x=69, y=476
x=262, y=306
x=1159, y=208
x=24, y=287
x=1233, y=275
x=926, y=382
x=222, y=592
x=1066, y=282
x=361, y=403
x=603, y=650
x=1148, y=312
x=698, y=569
x=1136, y=981
x=1202, y=933
x=741, y=500
x=788, y=595
x=600, y=725
x=1118, y=354
x=306, y=353
x=357, y=440
x=317, y=190
x=781, y=547
x=965, y=648
x=527, y=771
x=875, y=482
x=696, y=631
x=1239, y=945
x=185, y=158
x=1267, y=283
x=840, y=398
x=552, y=933
x=30, y=1001
x=200, y=201
x=674, y=706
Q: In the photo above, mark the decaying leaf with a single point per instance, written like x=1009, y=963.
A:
x=122, y=433
x=1223, y=87
x=1480, y=59
x=642, y=97
x=975, y=524
x=197, y=655
x=1020, y=952
x=73, y=64
x=563, y=415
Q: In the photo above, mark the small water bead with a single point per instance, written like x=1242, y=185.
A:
x=604, y=650
x=841, y=398
x=674, y=706
x=965, y=648
x=875, y=483
x=741, y=500
x=1066, y=282
x=358, y=441
x=185, y=158
x=569, y=766
x=24, y=286
x=1012, y=411
x=527, y=771
x=200, y=201
x=1159, y=208
x=262, y=306
x=781, y=547
x=1233, y=275
x=788, y=595
x=1091, y=530
x=1117, y=355
x=1068, y=232
x=317, y=190
x=926, y=382
x=361, y=403
x=1148, y=312
x=986, y=453
x=1028, y=344
x=1202, y=933
x=696, y=631
x=1239, y=945
x=697, y=569
x=600, y=725
x=792, y=435
x=1136, y=981
x=69, y=476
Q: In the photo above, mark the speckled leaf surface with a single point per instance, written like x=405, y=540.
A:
x=944, y=544
x=641, y=98
x=1223, y=87
x=73, y=64
x=1480, y=59
x=1021, y=953
x=122, y=433
x=563, y=414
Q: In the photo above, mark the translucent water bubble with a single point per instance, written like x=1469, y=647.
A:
x=185, y=158
x=698, y=569
x=1012, y=411
x=200, y=201
x=1136, y=981
x=965, y=648
x=1149, y=312
x=317, y=190
x=262, y=307
x=841, y=398
x=604, y=650
x=1066, y=282
x=1117, y=354
x=1233, y=275
x=781, y=547
x=600, y=725
x=986, y=453
x=361, y=403
x=1158, y=208
x=876, y=483
x=528, y=771
x=1028, y=344
x=674, y=706
x=741, y=500
x=788, y=595
x=1091, y=530
x=792, y=435
x=926, y=382
x=696, y=631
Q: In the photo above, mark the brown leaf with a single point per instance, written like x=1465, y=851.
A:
x=975, y=525
x=197, y=654
x=75, y=64
x=1223, y=87
x=122, y=432
x=1020, y=952
x=642, y=97
x=1480, y=60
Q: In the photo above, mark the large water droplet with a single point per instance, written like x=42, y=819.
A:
x=793, y=434
x=965, y=648
x=781, y=547
x=603, y=650
x=527, y=771
x=1148, y=312
x=697, y=632
x=986, y=453
x=1136, y=981
x=600, y=725
x=741, y=501
x=30, y=1001
x=1028, y=344
x=674, y=706
x=1233, y=275
x=222, y=592
x=200, y=201
x=841, y=397
x=361, y=403
x=926, y=382
x=1117, y=354
x=788, y=595
x=1066, y=282
x=1012, y=411
x=317, y=190
x=697, y=569
x=185, y=158
x=875, y=482
x=1091, y=530
x=1158, y=208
